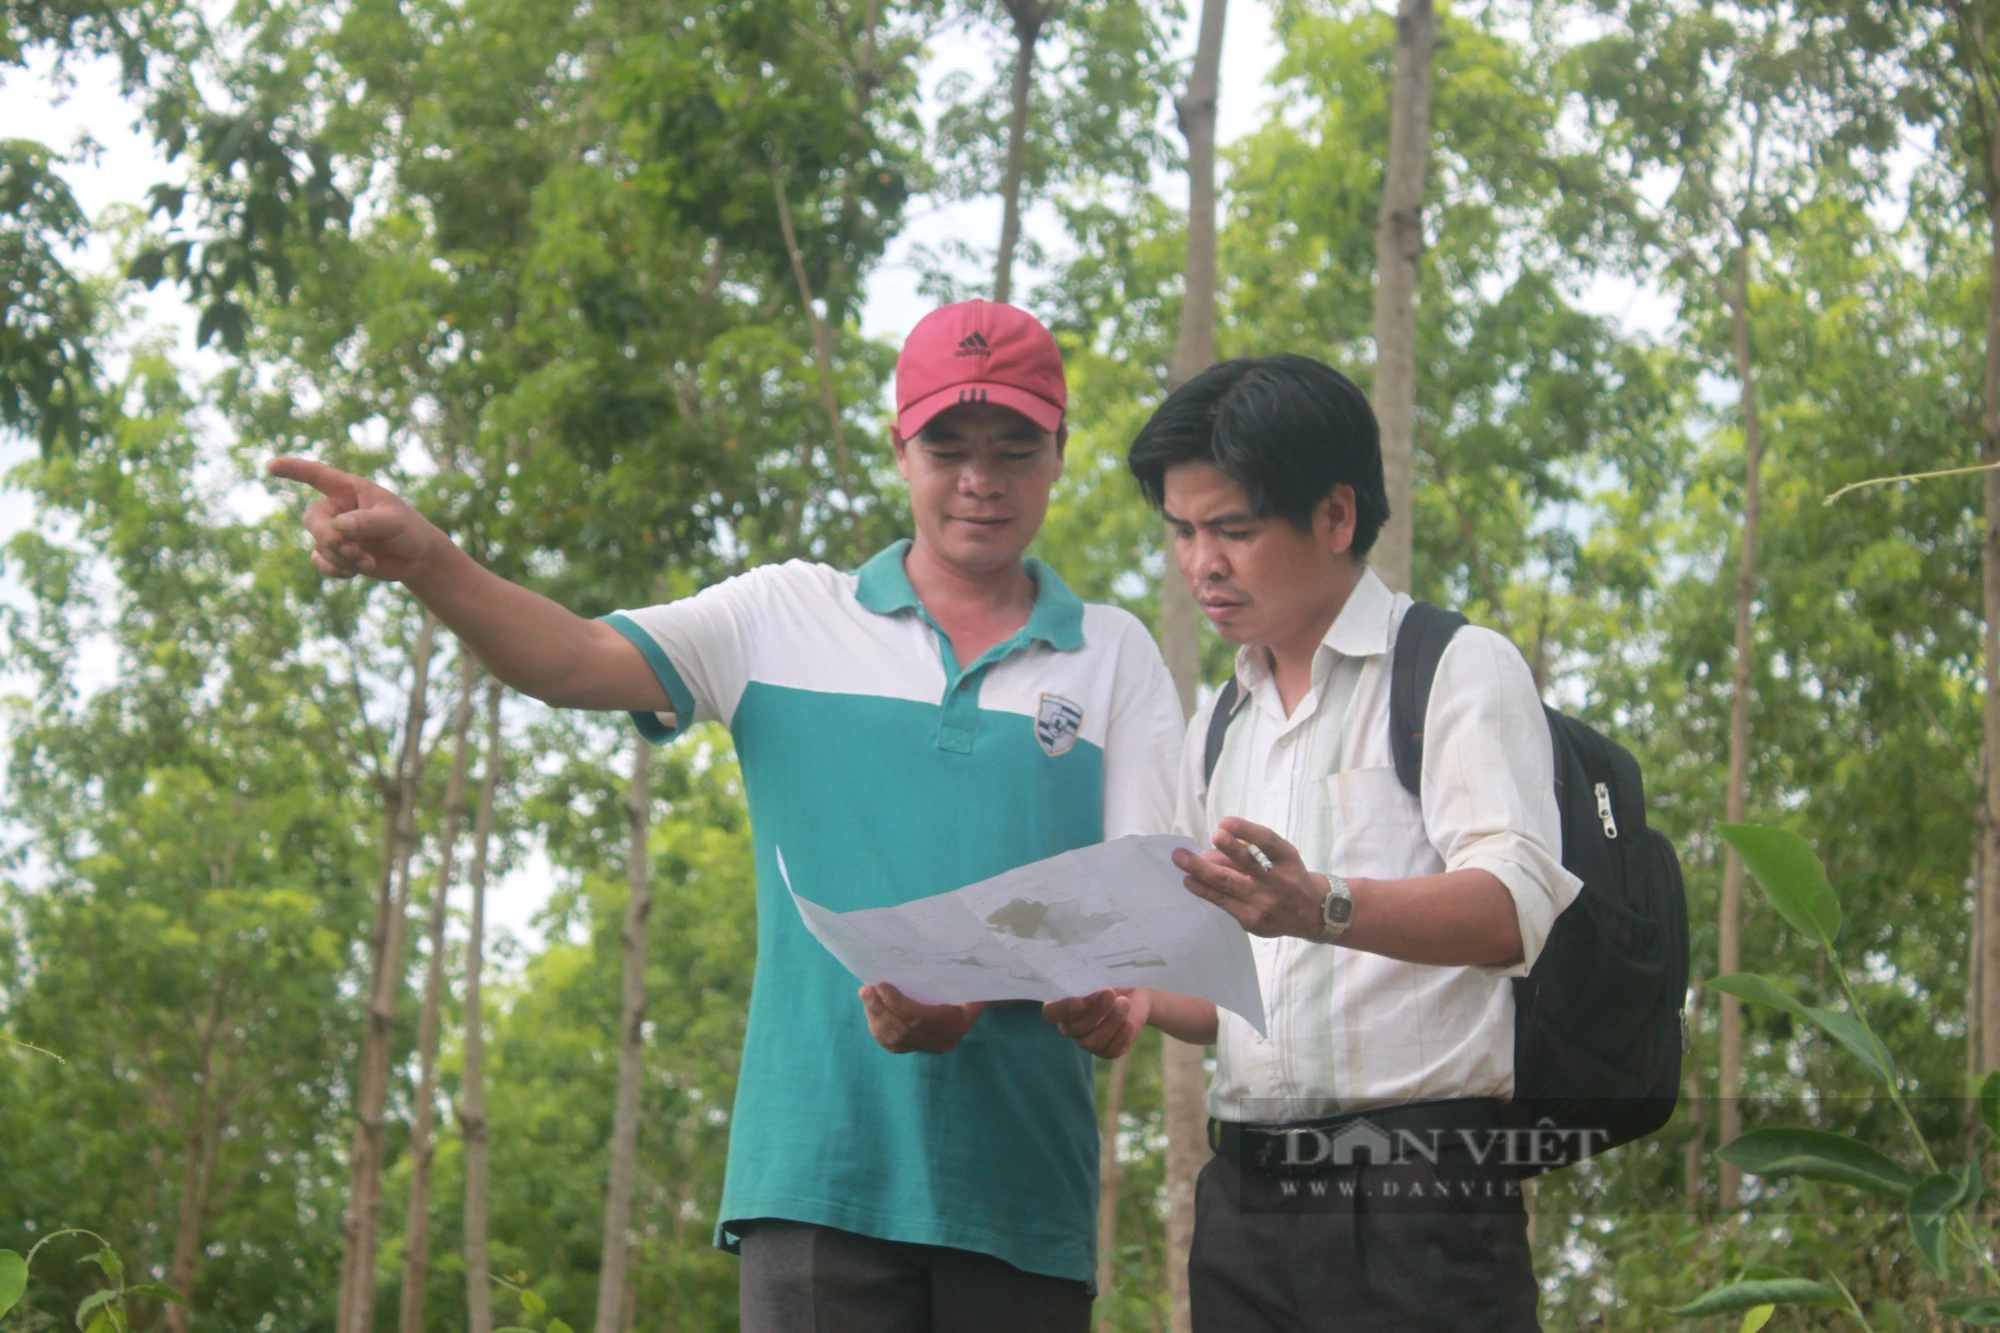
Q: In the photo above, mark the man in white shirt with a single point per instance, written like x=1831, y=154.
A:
x=1345, y=1193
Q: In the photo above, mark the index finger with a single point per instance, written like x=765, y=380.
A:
x=1225, y=880
x=1259, y=837
x=328, y=481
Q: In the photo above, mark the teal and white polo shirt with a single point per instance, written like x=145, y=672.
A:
x=887, y=772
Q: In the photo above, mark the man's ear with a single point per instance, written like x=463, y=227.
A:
x=901, y=449
x=1062, y=438
x=1334, y=518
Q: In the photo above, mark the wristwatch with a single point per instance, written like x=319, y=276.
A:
x=1336, y=910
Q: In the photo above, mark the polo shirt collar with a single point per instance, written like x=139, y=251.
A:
x=883, y=586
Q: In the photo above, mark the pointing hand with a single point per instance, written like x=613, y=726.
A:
x=357, y=527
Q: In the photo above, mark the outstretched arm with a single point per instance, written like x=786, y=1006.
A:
x=521, y=637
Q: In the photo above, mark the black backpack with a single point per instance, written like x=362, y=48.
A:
x=1598, y=1019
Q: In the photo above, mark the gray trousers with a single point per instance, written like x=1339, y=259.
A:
x=798, y=1278
x=1402, y=1247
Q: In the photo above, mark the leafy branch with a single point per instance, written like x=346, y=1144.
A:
x=103, y=1311
x=1935, y=1203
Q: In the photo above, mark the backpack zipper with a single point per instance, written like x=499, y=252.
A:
x=1604, y=810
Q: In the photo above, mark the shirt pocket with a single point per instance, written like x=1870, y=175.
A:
x=1377, y=827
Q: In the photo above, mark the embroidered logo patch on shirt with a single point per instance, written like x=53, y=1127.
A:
x=1057, y=723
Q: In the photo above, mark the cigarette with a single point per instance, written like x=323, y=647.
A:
x=1257, y=855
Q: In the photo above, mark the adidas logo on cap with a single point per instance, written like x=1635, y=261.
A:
x=973, y=344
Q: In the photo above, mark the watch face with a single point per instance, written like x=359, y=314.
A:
x=1339, y=909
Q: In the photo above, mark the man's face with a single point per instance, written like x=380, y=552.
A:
x=979, y=478
x=1260, y=581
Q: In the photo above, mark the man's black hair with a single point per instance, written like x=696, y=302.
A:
x=1285, y=428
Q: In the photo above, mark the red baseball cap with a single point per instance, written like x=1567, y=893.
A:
x=979, y=352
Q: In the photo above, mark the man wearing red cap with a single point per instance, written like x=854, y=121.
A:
x=945, y=713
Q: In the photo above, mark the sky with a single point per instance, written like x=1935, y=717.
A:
x=115, y=165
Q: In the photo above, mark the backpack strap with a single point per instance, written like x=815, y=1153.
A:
x=1226, y=700
x=1420, y=645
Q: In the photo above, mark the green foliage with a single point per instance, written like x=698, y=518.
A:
x=107, y=1309
x=1842, y=1027
x=1815, y=1154
x=46, y=367
x=534, y=1309
x=1759, y=1294
x=567, y=323
x=1791, y=877
x=1938, y=1205
x=1103, y=69
x=13, y=1279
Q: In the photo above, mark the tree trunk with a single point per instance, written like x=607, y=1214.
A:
x=423, y=1150
x=1180, y=627
x=1029, y=18
x=362, y=1225
x=1399, y=248
x=1989, y=454
x=822, y=338
x=1730, y=1086
x=1108, y=1171
x=197, y=1172
x=1975, y=976
x=1696, y=1152
x=868, y=79
x=1183, y=1080
x=472, y=1104
x=625, y=1116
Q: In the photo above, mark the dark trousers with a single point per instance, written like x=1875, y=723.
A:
x=1408, y=1246
x=798, y=1278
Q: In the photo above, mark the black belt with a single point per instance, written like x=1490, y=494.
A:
x=1314, y=1147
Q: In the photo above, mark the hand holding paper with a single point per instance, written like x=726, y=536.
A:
x=1108, y=916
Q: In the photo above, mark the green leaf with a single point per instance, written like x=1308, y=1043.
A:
x=1760, y=1273
x=1971, y=1185
x=1756, y=1317
x=1749, y=1295
x=558, y=1326
x=533, y=1303
x=513, y=1328
x=1815, y=1154
x=95, y=1301
x=13, y=1279
x=102, y=1322
x=157, y=1291
x=1978, y=1311
x=1761, y=990
x=1854, y=1033
x=148, y=266
x=108, y=1260
x=1930, y=1212
x=1846, y=1029
x=1791, y=876
x=1989, y=1101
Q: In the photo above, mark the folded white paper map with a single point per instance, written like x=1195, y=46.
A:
x=1112, y=914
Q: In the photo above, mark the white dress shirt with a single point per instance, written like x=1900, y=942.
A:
x=1351, y=1030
